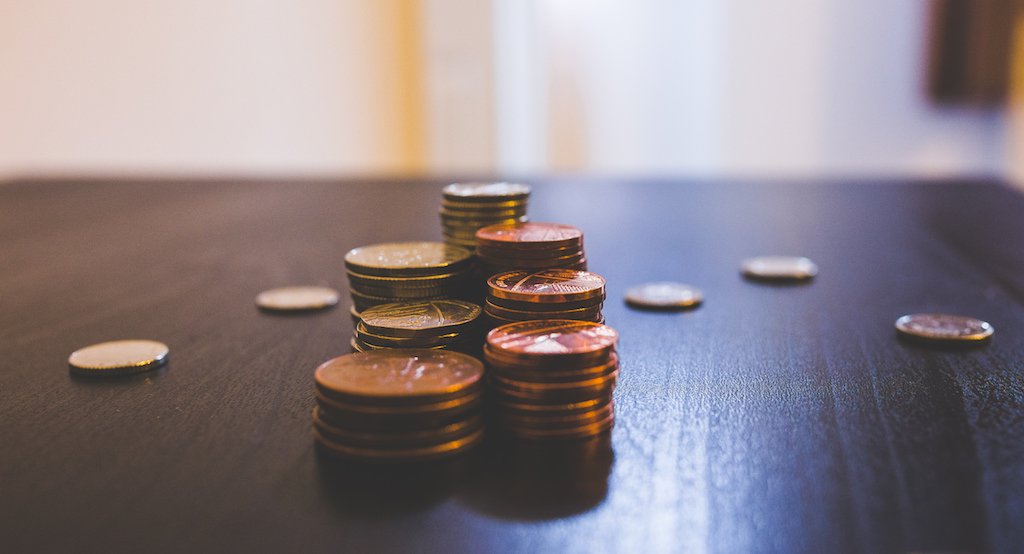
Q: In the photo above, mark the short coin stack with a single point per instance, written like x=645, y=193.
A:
x=447, y=324
x=398, y=405
x=466, y=207
x=404, y=271
x=552, y=379
x=546, y=294
x=530, y=246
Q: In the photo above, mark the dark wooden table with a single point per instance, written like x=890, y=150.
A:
x=772, y=419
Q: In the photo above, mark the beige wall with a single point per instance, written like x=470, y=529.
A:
x=201, y=86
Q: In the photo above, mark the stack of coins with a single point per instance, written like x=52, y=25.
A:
x=530, y=246
x=406, y=271
x=466, y=207
x=547, y=294
x=398, y=405
x=552, y=379
x=440, y=324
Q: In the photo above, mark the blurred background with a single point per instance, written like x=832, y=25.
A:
x=730, y=88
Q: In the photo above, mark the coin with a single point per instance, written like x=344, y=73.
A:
x=779, y=268
x=592, y=313
x=498, y=367
x=415, y=454
x=554, y=337
x=372, y=416
x=119, y=357
x=400, y=259
x=530, y=235
x=485, y=192
x=406, y=374
x=595, y=302
x=944, y=327
x=417, y=319
x=395, y=437
x=664, y=296
x=547, y=286
x=583, y=431
x=288, y=299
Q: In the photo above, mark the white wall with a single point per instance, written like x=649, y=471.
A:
x=795, y=87
x=200, y=86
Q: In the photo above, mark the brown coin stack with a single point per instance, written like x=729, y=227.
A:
x=441, y=324
x=406, y=271
x=530, y=246
x=546, y=294
x=398, y=405
x=466, y=207
x=552, y=379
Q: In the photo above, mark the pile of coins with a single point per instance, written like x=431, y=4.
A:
x=552, y=379
x=398, y=405
x=530, y=246
x=546, y=294
x=441, y=324
x=466, y=207
x=406, y=271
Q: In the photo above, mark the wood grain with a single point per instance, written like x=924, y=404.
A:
x=772, y=419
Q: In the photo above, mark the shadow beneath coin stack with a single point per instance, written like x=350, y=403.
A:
x=381, y=490
x=528, y=481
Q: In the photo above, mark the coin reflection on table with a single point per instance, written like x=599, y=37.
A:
x=120, y=357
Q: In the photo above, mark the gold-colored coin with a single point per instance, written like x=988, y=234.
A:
x=779, y=268
x=292, y=299
x=944, y=328
x=547, y=286
x=458, y=215
x=399, y=375
x=416, y=454
x=396, y=437
x=664, y=296
x=486, y=192
x=384, y=341
x=402, y=259
x=364, y=302
x=419, y=319
x=521, y=204
x=404, y=294
x=119, y=357
x=426, y=281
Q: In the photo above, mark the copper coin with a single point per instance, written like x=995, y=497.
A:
x=545, y=254
x=406, y=416
x=944, y=327
x=399, y=437
x=583, y=431
x=418, y=319
x=547, y=286
x=530, y=235
x=779, y=268
x=399, y=259
x=532, y=409
x=595, y=302
x=384, y=341
x=592, y=313
x=420, y=374
x=557, y=421
x=119, y=357
x=535, y=264
x=555, y=337
x=664, y=296
x=547, y=375
x=486, y=192
x=415, y=454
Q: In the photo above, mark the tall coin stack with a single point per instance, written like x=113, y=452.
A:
x=547, y=294
x=552, y=379
x=530, y=246
x=447, y=324
x=406, y=271
x=398, y=405
x=466, y=207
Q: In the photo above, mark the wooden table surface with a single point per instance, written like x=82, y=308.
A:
x=772, y=419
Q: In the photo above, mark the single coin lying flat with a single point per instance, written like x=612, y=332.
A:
x=779, y=268
x=290, y=299
x=944, y=328
x=119, y=357
x=664, y=296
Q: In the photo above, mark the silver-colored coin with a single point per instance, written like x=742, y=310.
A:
x=779, y=268
x=287, y=299
x=118, y=357
x=944, y=327
x=483, y=192
x=664, y=296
